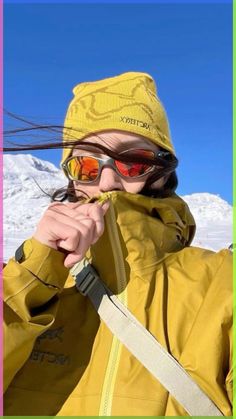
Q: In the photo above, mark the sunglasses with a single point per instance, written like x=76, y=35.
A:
x=87, y=169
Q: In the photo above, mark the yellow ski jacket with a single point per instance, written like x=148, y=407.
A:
x=60, y=358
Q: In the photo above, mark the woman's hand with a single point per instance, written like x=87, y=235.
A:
x=72, y=227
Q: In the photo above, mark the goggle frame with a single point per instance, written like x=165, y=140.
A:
x=109, y=161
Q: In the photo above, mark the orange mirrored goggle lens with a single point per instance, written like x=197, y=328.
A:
x=86, y=168
x=83, y=168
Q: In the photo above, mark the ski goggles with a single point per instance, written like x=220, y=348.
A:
x=87, y=168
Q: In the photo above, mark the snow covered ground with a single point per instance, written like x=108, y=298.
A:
x=24, y=203
x=214, y=220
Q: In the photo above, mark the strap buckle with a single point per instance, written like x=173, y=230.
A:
x=85, y=276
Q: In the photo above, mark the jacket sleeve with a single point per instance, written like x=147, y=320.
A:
x=31, y=290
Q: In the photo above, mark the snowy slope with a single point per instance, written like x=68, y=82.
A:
x=23, y=201
x=24, y=204
x=213, y=218
x=208, y=207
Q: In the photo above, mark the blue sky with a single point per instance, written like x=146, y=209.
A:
x=185, y=46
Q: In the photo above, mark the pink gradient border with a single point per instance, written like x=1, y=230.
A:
x=1, y=202
x=1, y=155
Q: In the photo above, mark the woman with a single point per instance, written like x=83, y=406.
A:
x=124, y=216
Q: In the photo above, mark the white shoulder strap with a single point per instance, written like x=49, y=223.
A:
x=142, y=344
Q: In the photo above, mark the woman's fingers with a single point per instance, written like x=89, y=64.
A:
x=49, y=231
x=92, y=217
x=77, y=211
x=72, y=227
x=85, y=233
x=71, y=259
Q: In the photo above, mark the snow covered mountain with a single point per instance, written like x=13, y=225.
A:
x=24, y=203
x=208, y=207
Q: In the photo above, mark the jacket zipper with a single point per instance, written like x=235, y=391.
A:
x=115, y=353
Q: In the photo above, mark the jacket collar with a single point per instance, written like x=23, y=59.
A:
x=141, y=231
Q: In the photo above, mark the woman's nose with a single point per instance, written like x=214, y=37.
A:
x=109, y=180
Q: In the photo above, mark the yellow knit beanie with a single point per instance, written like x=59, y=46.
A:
x=127, y=102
